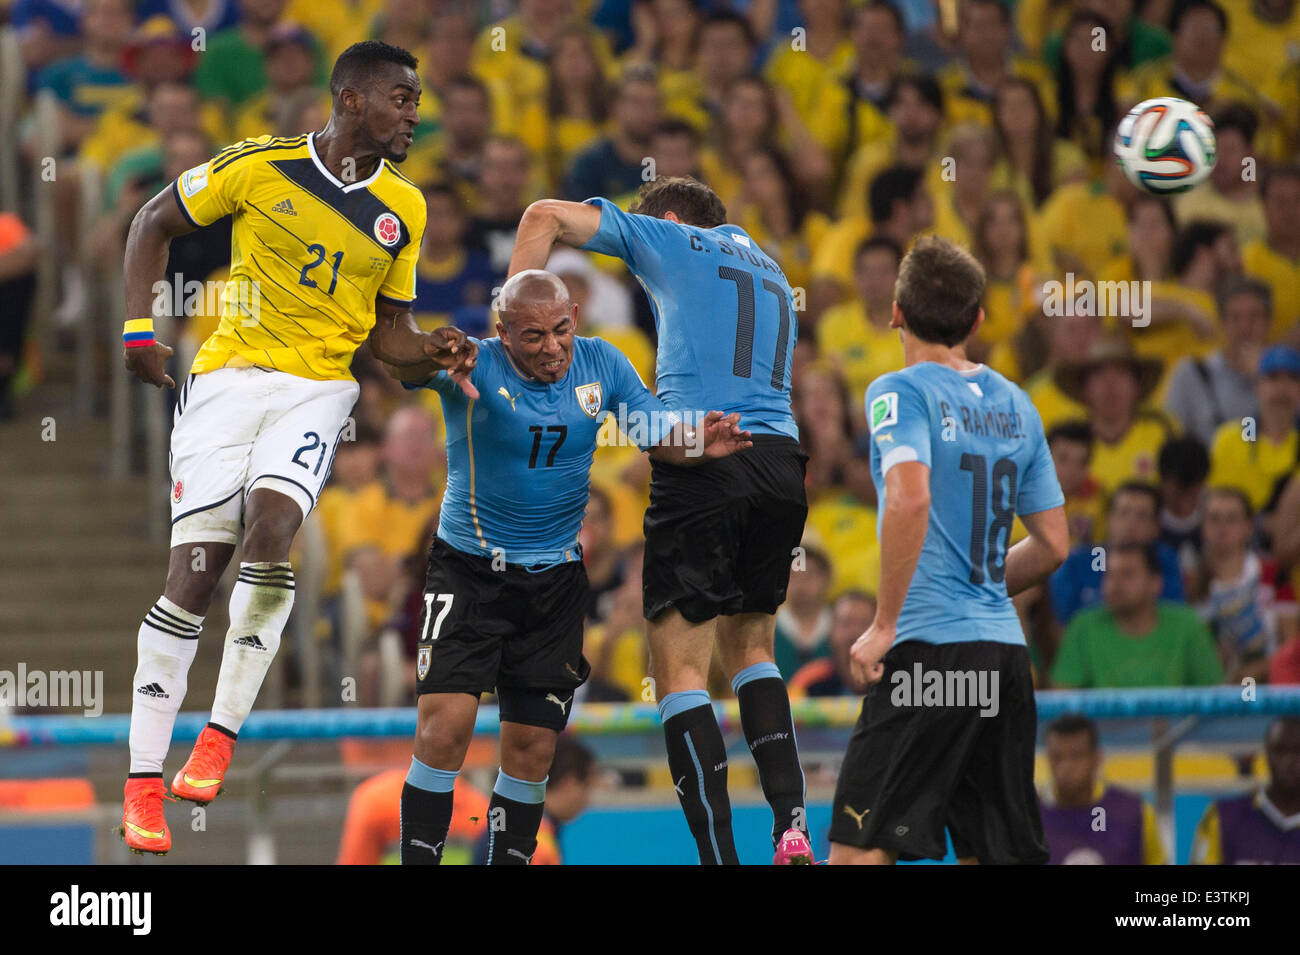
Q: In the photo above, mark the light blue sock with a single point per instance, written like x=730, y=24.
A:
x=429, y=779
x=755, y=671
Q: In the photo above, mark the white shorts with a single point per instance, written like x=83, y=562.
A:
x=239, y=428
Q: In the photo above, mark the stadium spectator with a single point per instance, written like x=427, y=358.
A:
x=850, y=110
x=292, y=66
x=576, y=106
x=665, y=34
x=1069, y=804
x=1001, y=242
x=725, y=48
x=404, y=23
x=1037, y=351
x=1260, y=827
x=973, y=150
x=1258, y=455
x=1183, y=465
x=985, y=60
x=1038, y=160
x=1229, y=196
x=1183, y=312
x=1135, y=639
x=1204, y=393
x=1071, y=445
x=1237, y=590
x=1083, y=226
x=855, y=335
x=825, y=56
x=614, y=164
x=447, y=58
x=504, y=186
x=775, y=211
x=747, y=122
x=913, y=124
x=233, y=70
x=901, y=208
x=93, y=80
x=1112, y=383
x=821, y=408
x=191, y=15
x=1275, y=258
x=616, y=646
x=1085, y=83
x=831, y=675
x=605, y=567
x=803, y=622
x=450, y=273
x=1132, y=520
x=19, y=253
x=1194, y=70
x=48, y=30
x=675, y=149
x=1136, y=39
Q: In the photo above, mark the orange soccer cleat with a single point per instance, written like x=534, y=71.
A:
x=144, y=827
x=201, y=777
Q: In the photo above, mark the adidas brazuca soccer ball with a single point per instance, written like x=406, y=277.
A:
x=1165, y=145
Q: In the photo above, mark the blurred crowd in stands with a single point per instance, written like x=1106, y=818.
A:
x=836, y=132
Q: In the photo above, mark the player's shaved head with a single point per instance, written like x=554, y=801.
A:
x=530, y=290
x=537, y=324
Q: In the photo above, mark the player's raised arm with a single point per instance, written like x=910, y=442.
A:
x=1034, y=559
x=152, y=230
x=717, y=436
x=414, y=356
x=546, y=222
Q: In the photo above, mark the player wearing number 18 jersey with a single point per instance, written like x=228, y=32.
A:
x=946, y=733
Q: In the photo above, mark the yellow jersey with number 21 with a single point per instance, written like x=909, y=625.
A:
x=310, y=254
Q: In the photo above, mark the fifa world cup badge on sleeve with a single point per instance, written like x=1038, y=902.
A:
x=589, y=397
x=422, y=662
x=884, y=410
x=194, y=180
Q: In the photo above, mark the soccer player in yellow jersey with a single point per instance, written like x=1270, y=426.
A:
x=326, y=234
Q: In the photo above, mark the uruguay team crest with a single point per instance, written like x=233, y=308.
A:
x=590, y=398
x=422, y=662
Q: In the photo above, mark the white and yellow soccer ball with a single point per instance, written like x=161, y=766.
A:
x=1165, y=145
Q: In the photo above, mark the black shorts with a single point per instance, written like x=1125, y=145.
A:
x=510, y=630
x=912, y=769
x=719, y=537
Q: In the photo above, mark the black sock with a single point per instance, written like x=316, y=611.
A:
x=769, y=730
x=514, y=816
x=426, y=814
x=697, y=759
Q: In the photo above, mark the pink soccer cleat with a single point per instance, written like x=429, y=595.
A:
x=794, y=849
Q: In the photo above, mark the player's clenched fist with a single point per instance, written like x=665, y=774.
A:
x=149, y=364
x=454, y=352
x=866, y=655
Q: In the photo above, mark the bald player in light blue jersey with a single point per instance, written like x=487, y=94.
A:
x=506, y=594
x=947, y=729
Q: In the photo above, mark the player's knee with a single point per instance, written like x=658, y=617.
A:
x=528, y=754
x=441, y=743
x=269, y=534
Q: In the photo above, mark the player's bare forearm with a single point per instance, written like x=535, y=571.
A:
x=547, y=222
x=1034, y=559
x=717, y=436
x=396, y=339
x=902, y=535
x=415, y=356
x=145, y=265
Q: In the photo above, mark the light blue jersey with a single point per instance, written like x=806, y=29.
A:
x=983, y=441
x=724, y=311
x=519, y=456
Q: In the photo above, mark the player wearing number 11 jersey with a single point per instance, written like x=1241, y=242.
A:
x=946, y=734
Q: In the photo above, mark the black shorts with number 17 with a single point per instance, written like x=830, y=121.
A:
x=505, y=629
x=719, y=537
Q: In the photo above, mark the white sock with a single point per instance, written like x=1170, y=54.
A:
x=259, y=609
x=165, y=648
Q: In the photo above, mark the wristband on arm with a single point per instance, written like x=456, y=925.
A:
x=138, y=333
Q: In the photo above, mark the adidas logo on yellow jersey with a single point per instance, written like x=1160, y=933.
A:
x=284, y=207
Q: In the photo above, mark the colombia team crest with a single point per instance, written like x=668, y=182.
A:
x=387, y=229
x=178, y=489
x=589, y=397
